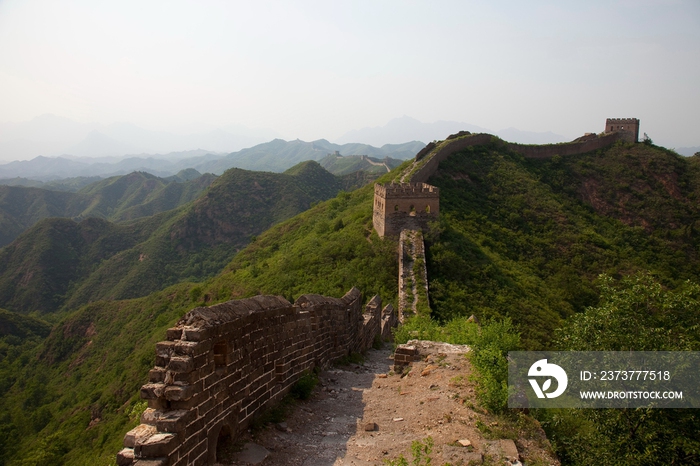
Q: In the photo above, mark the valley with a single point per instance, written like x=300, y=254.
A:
x=521, y=243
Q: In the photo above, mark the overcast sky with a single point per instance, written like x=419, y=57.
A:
x=314, y=70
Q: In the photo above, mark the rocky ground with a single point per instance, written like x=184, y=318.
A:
x=365, y=414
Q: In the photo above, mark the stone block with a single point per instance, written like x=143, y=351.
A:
x=175, y=421
x=179, y=392
x=159, y=404
x=152, y=391
x=157, y=374
x=181, y=364
x=197, y=334
x=192, y=348
x=155, y=446
x=138, y=433
x=164, y=348
x=152, y=462
x=149, y=416
x=125, y=457
x=173, y=333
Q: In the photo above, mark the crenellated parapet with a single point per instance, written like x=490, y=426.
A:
x=220, y=366
x=399, y=206
x=630, y=126
x=401, y=190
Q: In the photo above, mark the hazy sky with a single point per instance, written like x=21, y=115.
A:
x=319, y=69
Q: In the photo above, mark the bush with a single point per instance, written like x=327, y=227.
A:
x=305, y=386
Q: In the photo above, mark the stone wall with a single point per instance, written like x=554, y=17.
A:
x=544, y=151
x=629, y=126
x=456, y=145
x=398, y=206
x=413, y=273
x=425, y=171
x=221, y=365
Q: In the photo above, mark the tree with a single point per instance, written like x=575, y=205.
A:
x=636, y=314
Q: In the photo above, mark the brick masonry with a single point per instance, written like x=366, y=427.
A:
x=400, y=206
x=222, y=365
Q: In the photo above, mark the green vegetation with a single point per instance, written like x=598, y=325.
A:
x=303, y=387
x=59, y=264
x=117, y=198
x=343, y=165
x=420, y=452
x=490, y=344
x=526, y=238
x=65, y=184
x=74, y=394
x=634, y=314
x=520, y=244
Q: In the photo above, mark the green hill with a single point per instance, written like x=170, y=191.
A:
x=77, y=393
x=117, y=198
x=62, y=264
x=342, y=165
x=526, y=238
x=65, y=184
x=278, y=155
x=517, y=237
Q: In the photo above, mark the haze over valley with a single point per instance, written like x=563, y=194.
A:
x=205, y=205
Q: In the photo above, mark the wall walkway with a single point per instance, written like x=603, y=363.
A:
x=222, y=365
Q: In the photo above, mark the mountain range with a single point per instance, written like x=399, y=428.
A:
x=518, y=240
x=51, y=135
x=62, y=263
x=274, y=156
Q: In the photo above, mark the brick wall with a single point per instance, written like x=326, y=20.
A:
x=221, y=365
x=398, y=206
x=530, y=151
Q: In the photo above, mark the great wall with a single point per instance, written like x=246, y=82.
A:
x=222, y=365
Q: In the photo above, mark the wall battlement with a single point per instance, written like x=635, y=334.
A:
x=627, y=126
x=402, y=190
x=222, y=365
x=400, y=206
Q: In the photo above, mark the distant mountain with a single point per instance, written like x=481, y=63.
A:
x=62, y=184
x=117, y=198
x=519, y=238
x=275, y=156
x=688, y=151
x=408, y=129
x=63, y=263
x=342, y=165
x=97, y=144
x=43, y=135
x=21, y=327
x=52, y=135
x=278, y=155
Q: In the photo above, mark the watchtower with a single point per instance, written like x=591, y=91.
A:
x=629, y=127
x=399, y=206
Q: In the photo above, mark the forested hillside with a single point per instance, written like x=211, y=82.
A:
x=527, y=238
x=518, y=238
x=60, y=264
x=118, y=198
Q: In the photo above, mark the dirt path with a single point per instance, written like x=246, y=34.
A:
x=363, y=414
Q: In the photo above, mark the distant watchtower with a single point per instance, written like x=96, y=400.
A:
x=628, y=126
x=399, y=206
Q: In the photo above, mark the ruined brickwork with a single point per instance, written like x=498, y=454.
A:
x=399, y=206
x=430, y=166
x=545, y=151
x=221, y=365
x=629, y=127
x=413, y=273
x=616, y=129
